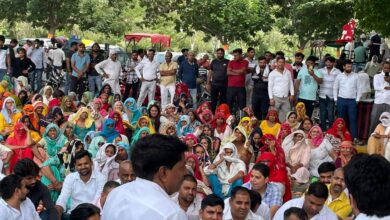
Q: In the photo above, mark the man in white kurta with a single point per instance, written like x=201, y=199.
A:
x=110, y=69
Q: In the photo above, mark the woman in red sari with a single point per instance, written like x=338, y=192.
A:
x=116, y=116
x=224, y=108
x=20, y=143
x=203, y=107
x=284, y=131
x=338, y=133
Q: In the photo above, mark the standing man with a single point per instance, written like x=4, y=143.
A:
x=82, y=186
x=37, y=56
x=313, y=204
x=338, y=200
x=217, y=79
x=183, y=56
x=248, y=78
x=94, y=78
x=347, y=93
x=12, y=54
x=168, y=80
x=159, y=165
x=260, y=98
x=187, y=197
x=57, y=57
x=147, y=71
x=211, y=208
x=80, y=63
x=281, y=88
x=298, y=64
x=268, y=57
x=236, y=71
x=14, y=203
x=3, y=57
x=382, y=96
x=368, y=173
x=188, y=72
x=130, y=76
x=329, y=74
x=307, y=85
x=126, y=173
x=111, y=69
x=68, y=61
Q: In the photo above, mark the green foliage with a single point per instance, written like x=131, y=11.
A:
x=373, y=15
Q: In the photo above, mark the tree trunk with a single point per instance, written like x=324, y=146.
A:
x=302, y=44
x=52, y=31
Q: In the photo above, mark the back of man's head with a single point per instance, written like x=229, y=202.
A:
x=26, y=167
x=318, y=190
x=8, y=185
x=108, y=186
x=368, y=180
x=255, y=200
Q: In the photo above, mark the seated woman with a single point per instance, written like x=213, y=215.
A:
x=119, y=107
x=108, y=132
x=98, y=107
x=255, y=141
x=202, y=154
x=67, y=130
x=300, y=108
x=190, y=140
x=270, y=125
x=206, y=116
x=145, y=121
x=168, y=128
x=105, y=161
x=169, y=114
x=242, y=144
x=338, y=133
x=47, y=94
x=380, y=137
x=56, y=116
x=35, y=136
x=183, y=126
x=292, y=120
x=96, y=143
x=132, y=110
x=226, y=171
x=321, y=150
x=223, y=108
x=47, y=153
x=284, y=131
x=38, y=118
x=306, y=125
x=154, y=114
x=203, y=107
x=116, y=116
x=83, y=123
x=196, y=169
x=88, y=138
x=39, y=98
x=140, y=134
x=346, y=153
x=106, y=106
x=246, y=123
x=221, y=129
x=68, y=106
x=182, y=104
x=20, y=144
x=8, y=117
x=297, y=154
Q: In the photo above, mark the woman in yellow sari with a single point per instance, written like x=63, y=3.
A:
x=301, y=111
x=246, y=123
x=145, y=121
x=271, y=124
x=9, y=115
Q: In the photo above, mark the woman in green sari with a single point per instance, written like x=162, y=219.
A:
x=95, y=145
x=52, y=168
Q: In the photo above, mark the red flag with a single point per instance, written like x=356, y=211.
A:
x=348, y=32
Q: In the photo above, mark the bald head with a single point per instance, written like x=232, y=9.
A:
x=126, y=172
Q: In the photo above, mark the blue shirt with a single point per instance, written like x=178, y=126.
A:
x=188, y=72
x=308, y=86
x=272, y=197
x=80, y=62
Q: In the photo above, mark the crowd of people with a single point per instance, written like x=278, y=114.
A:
x=136, y=141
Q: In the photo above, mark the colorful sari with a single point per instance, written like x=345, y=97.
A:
x=19, y=139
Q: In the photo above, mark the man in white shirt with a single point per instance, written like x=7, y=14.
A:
x=159, y=164
x=14, y=203
x=248, y=77
x=187, y=198
x=329, y=74
x=347, y=93
x=313, y=204
x=3, y=57
x=239, y=206
x=126, y=173
x=101, y=200
x=37, y=55
x=57, y=56
x=147, y=71
x=82, y=186
x=280, y=88
x=368, y=182
x=211, y=208
x=382, y=95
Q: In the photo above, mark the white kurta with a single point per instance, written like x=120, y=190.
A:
x=113, y=69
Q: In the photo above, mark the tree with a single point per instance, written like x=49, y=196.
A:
x=373, y=15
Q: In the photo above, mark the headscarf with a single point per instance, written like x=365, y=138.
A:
x=191, y=136
x=45, y=89
x=18, y=102
x=233, y=158
x=248, y=128
x=134, y=109
x=119, y=124
x=203, y=119
x=224, y=108
x=53, y=145
x=53, y=112
x=102, y=111
x=28, y=110
x=317, y=140
x=20, y=135
x=334, y=131
x=182, y=131
x=385, y=123
x=89, y=97
x=220, y=128
x=294, y=151
x=199, y=110
x=149, y=124
x=64, y=108
x=343, y=159
x=302, y=113
x=90, y=134
x=284, y=126
x=93, y=148
x=88, y=121
x=137, y=135
x=279, y=153
x=164, y=127
x=103, y=163
x=272, y=112
x=196, y=172
x=4, y=111
x=109, y=133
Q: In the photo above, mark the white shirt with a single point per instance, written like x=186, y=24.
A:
x=192, y=210
x=113, y=69
x=364, y=80
x=27, y=211
x=280, y=84
x=248, y=77
x=324, y=214
x=382, y=96
x=261, y=213
x=3, y=58
x=141, y=199
x=80, y=192
x=363, y=216
x=37, y=56
x=326, y=87
x=347, y=86
x=227, y=214
x=57, y=56
x=149, y=69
